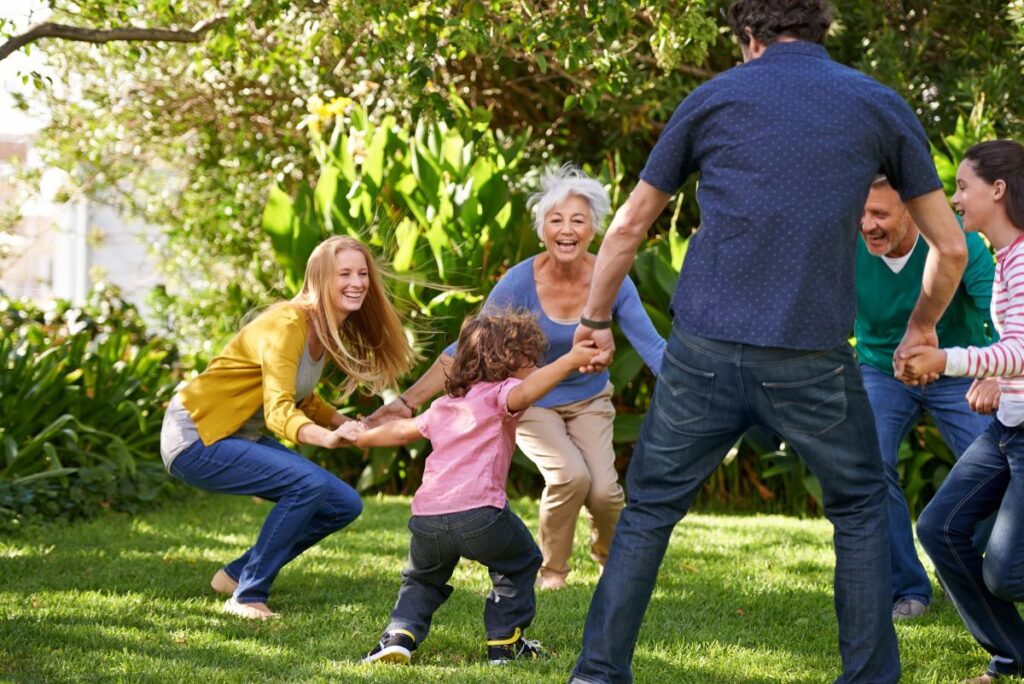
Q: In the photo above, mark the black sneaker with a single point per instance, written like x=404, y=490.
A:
x=395, y=646
x=515, y=647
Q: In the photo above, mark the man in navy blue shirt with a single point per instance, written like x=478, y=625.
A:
x=786, y=146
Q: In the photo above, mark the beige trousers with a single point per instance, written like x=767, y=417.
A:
x=572, y=446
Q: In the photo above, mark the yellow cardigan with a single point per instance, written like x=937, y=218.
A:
x=259, y=366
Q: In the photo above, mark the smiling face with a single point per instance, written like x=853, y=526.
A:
x=973, y=197
x=351, y=281
x=886, y=225
x=568, y=229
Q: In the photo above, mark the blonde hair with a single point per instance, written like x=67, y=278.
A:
x=370, y=345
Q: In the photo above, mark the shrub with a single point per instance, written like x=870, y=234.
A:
x=82, y=391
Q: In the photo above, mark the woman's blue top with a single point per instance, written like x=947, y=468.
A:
x=517, y=289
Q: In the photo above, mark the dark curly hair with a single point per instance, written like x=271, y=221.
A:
x=770, y=19
x=493, y=346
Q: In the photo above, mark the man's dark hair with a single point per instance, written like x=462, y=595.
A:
x=768, y=20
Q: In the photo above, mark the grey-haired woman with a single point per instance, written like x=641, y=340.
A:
x=568, y=433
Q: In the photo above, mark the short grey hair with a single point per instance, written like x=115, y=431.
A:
x=880, y=180
x=557, y=184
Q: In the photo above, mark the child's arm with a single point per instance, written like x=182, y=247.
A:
x=922, y=361
x=543, y=380
x=395, y=433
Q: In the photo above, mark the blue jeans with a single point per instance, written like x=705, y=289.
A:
x=897, y=409
x=310, y=502
x=988, y=478
x=495, y=538
x=708, y=394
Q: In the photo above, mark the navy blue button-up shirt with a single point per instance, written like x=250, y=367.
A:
x=786, y=146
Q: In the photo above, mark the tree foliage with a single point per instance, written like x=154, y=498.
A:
x=191, y=136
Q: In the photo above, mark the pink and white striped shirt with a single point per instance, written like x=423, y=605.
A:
x=1005, y=358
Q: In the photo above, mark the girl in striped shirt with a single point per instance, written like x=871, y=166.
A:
x=989, y=477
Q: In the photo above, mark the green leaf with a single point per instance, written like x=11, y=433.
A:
x=278, y=216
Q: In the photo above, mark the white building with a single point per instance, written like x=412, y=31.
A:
x=61, y=249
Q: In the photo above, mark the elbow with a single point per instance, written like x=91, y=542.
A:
x=629, y=225
x=953, y=252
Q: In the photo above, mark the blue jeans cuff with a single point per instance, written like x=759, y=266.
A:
x=999, y=666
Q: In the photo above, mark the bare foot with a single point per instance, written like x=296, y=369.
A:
x=249, y=611
x=550, y=581
x=223, y=584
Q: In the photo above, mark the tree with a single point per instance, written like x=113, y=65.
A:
x=199, y=131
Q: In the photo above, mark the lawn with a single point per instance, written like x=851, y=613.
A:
x=741, y=599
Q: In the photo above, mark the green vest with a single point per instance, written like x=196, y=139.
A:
x=885, y=300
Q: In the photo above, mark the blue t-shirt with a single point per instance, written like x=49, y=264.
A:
x=786, y=146
x=517, y=289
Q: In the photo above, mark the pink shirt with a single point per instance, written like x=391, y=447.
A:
x=473, y=438
x=1005, y=358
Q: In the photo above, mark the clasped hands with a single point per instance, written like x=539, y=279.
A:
x=918, y=361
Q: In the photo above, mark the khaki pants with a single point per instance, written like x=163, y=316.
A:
x=572, y=446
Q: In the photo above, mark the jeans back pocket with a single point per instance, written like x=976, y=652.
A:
x=683, y=394
x=812, y=406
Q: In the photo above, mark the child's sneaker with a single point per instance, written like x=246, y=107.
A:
x=395, y=646
x=501, y=651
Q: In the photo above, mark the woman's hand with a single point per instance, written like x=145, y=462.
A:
x=393, y=410
x=343, y=435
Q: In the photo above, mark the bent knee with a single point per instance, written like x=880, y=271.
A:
x=572, y=485
x=1001, y=582
x=606, y=499
x=929, y=530
x=346, y=502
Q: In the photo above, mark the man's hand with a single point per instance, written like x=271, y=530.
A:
x=393, y=410
x=603, y=340
x=922, y=362
x=915, y=337
x=983, y=397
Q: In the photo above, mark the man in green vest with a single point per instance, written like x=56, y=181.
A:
x=890, y=263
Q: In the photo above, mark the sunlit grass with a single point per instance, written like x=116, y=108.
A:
x=741, y=599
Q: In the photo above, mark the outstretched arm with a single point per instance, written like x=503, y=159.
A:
x=543, y=380
x=395, y=433
x=429, y=384
x=614, y=259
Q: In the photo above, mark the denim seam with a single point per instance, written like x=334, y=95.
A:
x=740, y=362
x=260, y=560
x=963, y=568
x=241, y=464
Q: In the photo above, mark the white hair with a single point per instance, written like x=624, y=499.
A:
x=557, y=184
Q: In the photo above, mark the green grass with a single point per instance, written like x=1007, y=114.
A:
x=741, y=599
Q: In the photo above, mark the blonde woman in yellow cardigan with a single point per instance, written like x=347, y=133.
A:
x=265, y=377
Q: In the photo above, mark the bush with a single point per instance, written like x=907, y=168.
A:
x=82, y=391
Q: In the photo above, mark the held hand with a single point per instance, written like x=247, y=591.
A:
x=345, y=434
x=604, y=342
x=582, y=354
x=922, y=364
x=983, y=397
x=393, y=410
x=915, y=337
